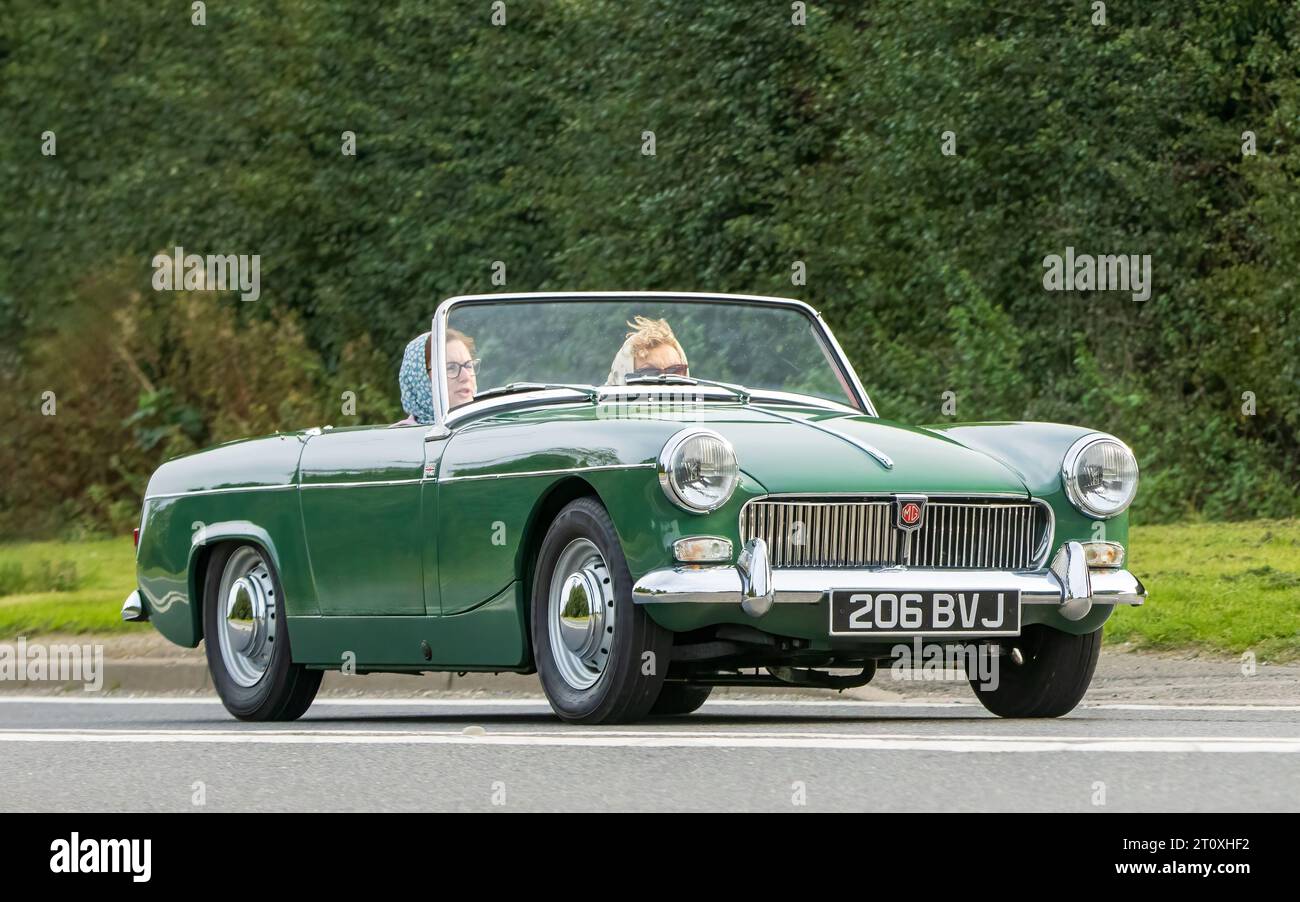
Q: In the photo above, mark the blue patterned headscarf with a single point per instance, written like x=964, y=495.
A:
x=416, y=385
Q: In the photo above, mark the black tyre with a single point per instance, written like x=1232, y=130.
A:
x=1056, y=670
x=247, y=640
x=679, y=698
x=601, y=659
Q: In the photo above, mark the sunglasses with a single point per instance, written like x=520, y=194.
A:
x=453, y=369
x=677, y=369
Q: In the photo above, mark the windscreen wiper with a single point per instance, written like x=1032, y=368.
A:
x=668, y=379
x=589, y=391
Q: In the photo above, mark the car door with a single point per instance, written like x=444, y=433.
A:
x=363, y=496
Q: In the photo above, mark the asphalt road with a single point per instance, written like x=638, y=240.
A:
x=475, y=754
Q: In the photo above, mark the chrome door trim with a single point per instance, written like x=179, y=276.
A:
x=359, y=484
x=219, y=491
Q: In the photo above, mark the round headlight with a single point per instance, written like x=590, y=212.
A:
x=1101, y=475
x=698, y=470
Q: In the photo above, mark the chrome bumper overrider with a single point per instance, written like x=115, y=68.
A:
x=755, y=586
x=133, y=608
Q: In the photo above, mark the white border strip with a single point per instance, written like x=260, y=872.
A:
x=541, y=703
x=669, y=739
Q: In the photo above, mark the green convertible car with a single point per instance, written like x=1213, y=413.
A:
x=644, y=495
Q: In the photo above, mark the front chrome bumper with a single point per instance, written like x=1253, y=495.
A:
x=1068, y=583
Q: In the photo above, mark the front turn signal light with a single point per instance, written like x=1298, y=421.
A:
x=702, y=550
x=1104, y=555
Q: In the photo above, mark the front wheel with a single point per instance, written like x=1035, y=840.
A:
x=247, y=641
x=1054, y=672
x=601, y=659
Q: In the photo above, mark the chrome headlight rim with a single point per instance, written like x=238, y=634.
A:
x=665, y=468
x=1070, y=477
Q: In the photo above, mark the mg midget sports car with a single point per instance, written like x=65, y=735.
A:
x=729, y=510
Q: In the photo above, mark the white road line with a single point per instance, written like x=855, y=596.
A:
x=667, y=739
x=337, y=702
x=463, y=702
x=541, y=704
x=1116, y=706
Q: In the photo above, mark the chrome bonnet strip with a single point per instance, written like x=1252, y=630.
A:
x=880, y=456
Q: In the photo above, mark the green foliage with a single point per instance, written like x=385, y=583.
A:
x=774, y=144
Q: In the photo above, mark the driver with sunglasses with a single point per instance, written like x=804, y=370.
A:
x=651, y=349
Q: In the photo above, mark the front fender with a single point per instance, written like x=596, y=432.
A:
x=1035, y=452
x=648, y=523
x=173, y=592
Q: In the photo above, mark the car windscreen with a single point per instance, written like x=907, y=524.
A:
x=602, y=342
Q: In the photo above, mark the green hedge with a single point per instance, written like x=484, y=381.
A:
x=775, y=143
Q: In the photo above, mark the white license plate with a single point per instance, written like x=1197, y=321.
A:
x=925, y=612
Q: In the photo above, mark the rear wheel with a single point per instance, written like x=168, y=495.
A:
x=1055, y=671
x=601, y=659
x=247, y=640
x=679, y=698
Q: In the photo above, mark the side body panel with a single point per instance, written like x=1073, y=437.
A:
x=491, y=637
x=493, y=475
x=361, y=502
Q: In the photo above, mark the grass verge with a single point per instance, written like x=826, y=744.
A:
x=1225, y=588
x=66, y=587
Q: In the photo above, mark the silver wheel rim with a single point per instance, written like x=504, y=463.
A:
x=246, y=621
x=581, y=614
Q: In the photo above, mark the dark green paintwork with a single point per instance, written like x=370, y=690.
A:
x=363, y=538
x=445, y=555
x=178, y=529
x=490, y=637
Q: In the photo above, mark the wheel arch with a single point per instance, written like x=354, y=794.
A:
x=214, y=536
x=544, y=512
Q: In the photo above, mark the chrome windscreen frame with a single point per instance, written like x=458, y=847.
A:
x=438, y=331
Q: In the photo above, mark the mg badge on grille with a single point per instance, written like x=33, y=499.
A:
x=909, y=511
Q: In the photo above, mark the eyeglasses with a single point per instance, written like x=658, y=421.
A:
x=453, y=369
x=677, y=369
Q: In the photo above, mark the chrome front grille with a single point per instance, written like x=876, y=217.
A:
x=860, y=532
